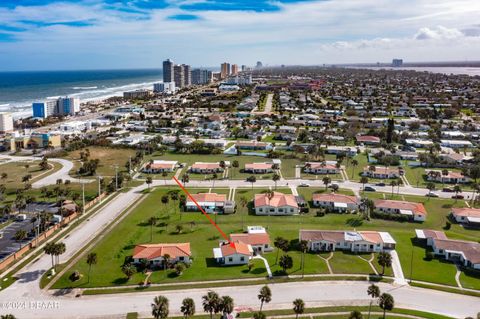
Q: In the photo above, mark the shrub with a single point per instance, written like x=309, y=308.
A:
x=74, y=276
x=429, y=255
x=387, y=216
x=448, y=225
x=179, y=268
x=320, y=213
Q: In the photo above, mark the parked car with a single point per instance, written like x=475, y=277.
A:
x=447, y=190
x=304, y=185
x=369, y=189
x=380, y=184
x=458, y=196
x=431, y=194
x=333, y=186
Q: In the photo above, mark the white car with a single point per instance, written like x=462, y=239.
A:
x=304, y=185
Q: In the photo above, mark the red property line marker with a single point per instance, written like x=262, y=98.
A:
x=203, y=212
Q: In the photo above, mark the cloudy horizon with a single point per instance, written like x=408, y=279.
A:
x=113, y=34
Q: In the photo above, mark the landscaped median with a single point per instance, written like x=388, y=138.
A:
x=334, y=312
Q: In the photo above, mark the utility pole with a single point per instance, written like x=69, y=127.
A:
x=99, y=188
x=116, y=177
x=129, y=165
x=83, y=198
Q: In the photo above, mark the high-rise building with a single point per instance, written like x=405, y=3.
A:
x=179, y=76
x=164, y=87
x=59, y=107
x=67, y=106
x=244, y=68
x=6, y=122
x=234, y=69
x=224, y=70
x=187, y=75
x=259, y=65
x=168, y=74
x=201, y=76
x=397, y=63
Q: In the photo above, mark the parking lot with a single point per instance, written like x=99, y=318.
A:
x=8, y=244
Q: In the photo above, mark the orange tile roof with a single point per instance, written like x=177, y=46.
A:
x=251, y=239
x=467, y=212
x=337, y=198
x=209, y=197
x=255, y=166
x=371, y=236
x=278, y=200
x=317, y=165
x=239, y=248
x=416, y=208
x=151, y=251
x=206, y=165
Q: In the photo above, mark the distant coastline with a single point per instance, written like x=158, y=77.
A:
x=19, y=89
x=471, y=71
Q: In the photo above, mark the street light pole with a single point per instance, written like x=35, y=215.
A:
x=116, y=177
x=99, y=188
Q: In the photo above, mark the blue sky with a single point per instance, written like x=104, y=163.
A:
x=89, y=34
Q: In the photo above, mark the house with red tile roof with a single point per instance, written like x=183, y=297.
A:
x=259, y=168
x=238, y=253
x=450, y=178
x=320, y=168
x=253, y=145
x=416, y=211
x=256, y=236
x=160, y=166
x=211, y=203
x=362, y=241
x=464, y=252
x=278, y=204
x=382, y=172
x=367, y=139
x=336, y=202
x=155, y=253
x=466, y=215
x=206, y=168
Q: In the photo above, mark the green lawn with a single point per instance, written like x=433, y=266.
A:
x=119, y=243
x=17, y=170
x=470, y=279
x=417, y=177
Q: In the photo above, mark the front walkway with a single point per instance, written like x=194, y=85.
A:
x=267, y=266
x=397, y=269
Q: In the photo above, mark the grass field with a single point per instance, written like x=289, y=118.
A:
x=17, y=170
x=109, y=157
x=118, y=244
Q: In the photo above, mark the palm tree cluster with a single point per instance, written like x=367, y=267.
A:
x=385, y=300
x=55, y=250
x=213, y=303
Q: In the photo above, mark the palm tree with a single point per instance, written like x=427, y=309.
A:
x=9, y=316
x=152, y=221
x=149, y=181
x=363, y=180
x=211, y=303
x=20, y=235
x=275, y=179
x=265, y=296
x=298, y=307
x=303, y=245
x=175, y=197
x=393, y=184
x=91, y=260
x=374, y=292
x=386, y=302
x=60, y=248
x=286, y=262
x=164, y=175
x=355, y=314
x=160, y=307
x=457, y=189
x=384, y=259
x=188, y=307
x=280, y=243
x=214, y=177
x=326, y=180
x=166, y=259
x=444, y=173
x=235, y=164
x=129, y=270
x=251, y=179
x=226, y=305
x=430, y=186
x=49, y=250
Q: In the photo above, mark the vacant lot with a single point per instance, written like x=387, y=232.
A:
x=109, y=158
x=17, y=170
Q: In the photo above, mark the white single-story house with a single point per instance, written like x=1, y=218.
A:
x=416, y=211
x=211, y=203
x=450, y=178
x=259, y=168
x=382, y=172
x=160, y=166
x=256, y=236
x=337, y=202
x=233, y=253
x=470, y=216
x=206, y=168
x=320, y=168
x=155, y=254
x=278, y=204
x=331, y=240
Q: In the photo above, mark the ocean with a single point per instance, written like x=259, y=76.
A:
x=471, y=71
x=19, y=89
